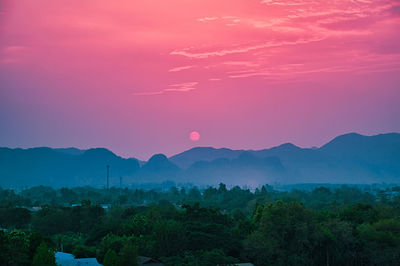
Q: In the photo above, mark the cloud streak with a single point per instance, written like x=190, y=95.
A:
x=243, y=49
x=300, y=26
x=178, y=69
x=180, y=87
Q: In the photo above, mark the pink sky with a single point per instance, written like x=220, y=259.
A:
x=138, y=76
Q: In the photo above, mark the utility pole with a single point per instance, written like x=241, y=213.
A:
x=108, y=177
x=120, y=185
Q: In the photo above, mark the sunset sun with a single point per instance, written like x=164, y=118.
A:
x=194, y=136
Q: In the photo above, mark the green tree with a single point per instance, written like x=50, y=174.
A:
x=44, y=256
x=194, y=195
x=207, y=228
x=111, y=259
x=286, y=236
x=14, y=217
x=113, y=242
x=82, y=251
x=359, y=213
x=129, y=255
x=169, y=238
x=337, y=239
x=381, y=242
x=16, y=249
x=216, y=257
x=34, y=241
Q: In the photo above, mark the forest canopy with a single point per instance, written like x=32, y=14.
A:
x=342, y=225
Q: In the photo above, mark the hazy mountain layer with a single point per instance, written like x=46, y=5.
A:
x=350, y=158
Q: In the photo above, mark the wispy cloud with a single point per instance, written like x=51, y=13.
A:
x=205, y=19
x=147, y=93
x=243, y=49
x=241, y=63
x=366, y=64
x=179, y=87
x=231, y=19
x=300, y=27
x=177, y=69
x=288, y=3
x=187, y=86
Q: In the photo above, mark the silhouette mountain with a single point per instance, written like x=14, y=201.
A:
x=46, y=166
x=187, y=158
x=350, y=158
x=246, y=169
x=157, y=168
x=70, y=151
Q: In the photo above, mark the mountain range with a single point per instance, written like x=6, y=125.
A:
x=349, y=158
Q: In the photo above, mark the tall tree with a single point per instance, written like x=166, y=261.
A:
x=111, y=259
x=129, y=255
x=44, y=256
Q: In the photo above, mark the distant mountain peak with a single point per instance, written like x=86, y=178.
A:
x=287, y=146
x=348, y=136
x=158, y=162
x=187, y=158
x=159, y=157
x=207, y=149
x=358, y=139
x=99, y=154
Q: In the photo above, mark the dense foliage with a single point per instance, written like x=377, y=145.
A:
x=323, y=226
